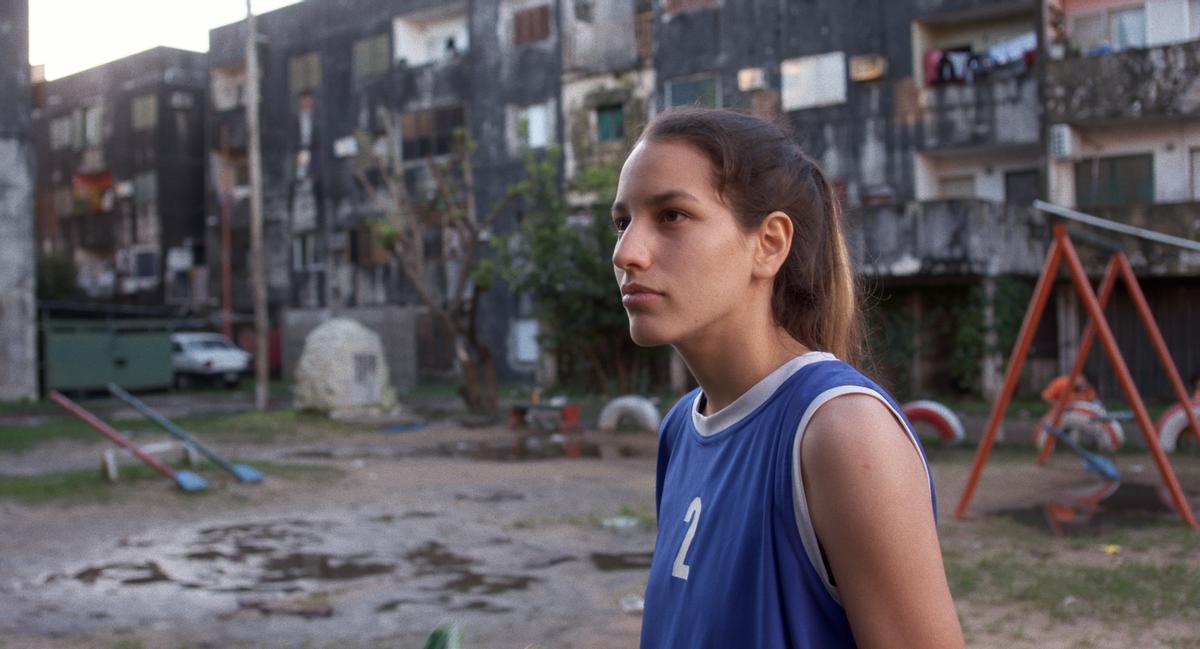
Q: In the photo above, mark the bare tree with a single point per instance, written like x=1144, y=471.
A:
x=449, y=207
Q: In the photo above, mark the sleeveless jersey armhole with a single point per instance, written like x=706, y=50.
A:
x=812, y=547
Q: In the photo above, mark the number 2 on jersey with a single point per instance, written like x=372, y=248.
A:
x=681, y=569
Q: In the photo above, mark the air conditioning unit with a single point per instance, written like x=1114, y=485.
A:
x=1062, y=142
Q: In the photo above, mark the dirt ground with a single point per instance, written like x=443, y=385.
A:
x=374, y=539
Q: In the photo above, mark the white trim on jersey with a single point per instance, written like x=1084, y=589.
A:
x=800, y=500
x=752, y=398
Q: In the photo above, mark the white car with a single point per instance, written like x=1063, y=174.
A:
x=207, y=356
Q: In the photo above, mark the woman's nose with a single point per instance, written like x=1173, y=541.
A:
x=632, y=250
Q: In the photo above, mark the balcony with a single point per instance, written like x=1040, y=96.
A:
x=1156, y=82
x=998, y=111
x=947, y=238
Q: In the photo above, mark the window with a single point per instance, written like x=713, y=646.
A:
x=1120, y=180
x=961, y=186
x=304, y=73
x=145, y=264
x=1195, y=157
x=77, y=130
x=145, y=112
x=698, y=92
x=424, y=41
x=371, y=57
x=812, y=81
x=1100, y=31
x=228, y=88
x=610, y=123
x=91, y=126
x=537, y=124
x=525, y=333
x=60, y=133
x=530, y=25
x=429, y=132
x=145, y=188
x=1127, y=28
x=1021, y=188
x=64, y=201
x=673, y=6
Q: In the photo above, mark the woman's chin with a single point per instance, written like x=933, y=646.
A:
x=648, y=336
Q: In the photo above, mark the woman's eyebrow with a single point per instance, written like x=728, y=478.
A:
x=658, y=199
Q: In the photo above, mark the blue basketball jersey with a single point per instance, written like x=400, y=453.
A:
x=736, y=561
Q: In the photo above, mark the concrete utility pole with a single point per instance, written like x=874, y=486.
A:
x=18, y=331
x=257, y=263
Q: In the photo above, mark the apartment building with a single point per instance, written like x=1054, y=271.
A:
x=120, y=177
x=333, y=75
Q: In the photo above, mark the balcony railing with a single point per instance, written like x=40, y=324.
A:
x=1130, y=84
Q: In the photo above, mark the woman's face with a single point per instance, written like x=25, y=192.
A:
x=681, y=260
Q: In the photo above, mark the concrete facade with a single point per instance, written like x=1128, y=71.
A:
x=18, y=330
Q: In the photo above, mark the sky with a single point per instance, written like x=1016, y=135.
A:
x=72, y=35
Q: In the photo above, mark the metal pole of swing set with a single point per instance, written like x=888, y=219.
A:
x=257, y=262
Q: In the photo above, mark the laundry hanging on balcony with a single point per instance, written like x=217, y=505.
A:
x=964, y=65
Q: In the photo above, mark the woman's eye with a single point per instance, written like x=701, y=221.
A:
x=620, y=224
x=673, y=216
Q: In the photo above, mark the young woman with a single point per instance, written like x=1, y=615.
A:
x=795, y=507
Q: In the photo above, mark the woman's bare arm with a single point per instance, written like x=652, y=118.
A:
x=869, y=499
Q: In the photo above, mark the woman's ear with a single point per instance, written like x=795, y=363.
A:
x=774, y=241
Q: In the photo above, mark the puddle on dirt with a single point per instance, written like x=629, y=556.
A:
x=626, y=561
x=131, y=574
x=481, y=606
x=492, y=497
x=392, y=518
x=548, y=563
x=434, y=559
x=325, y=567
x=281, y=558
x=1131, y=506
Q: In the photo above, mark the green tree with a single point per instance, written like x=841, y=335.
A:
x=560, y=254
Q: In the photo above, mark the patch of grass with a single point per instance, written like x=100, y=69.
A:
x=264, y=427
x=1066, y=591
x=252, y=427
x=89, y=486
x=28, y=407
x=14, y=439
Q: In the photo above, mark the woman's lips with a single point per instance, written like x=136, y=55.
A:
x=633, y=295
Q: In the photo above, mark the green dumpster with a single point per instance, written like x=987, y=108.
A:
x=89, y=354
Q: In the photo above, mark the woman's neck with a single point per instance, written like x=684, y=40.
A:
x=726, y=366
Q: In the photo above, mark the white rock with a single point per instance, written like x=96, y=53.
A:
x=343, y=370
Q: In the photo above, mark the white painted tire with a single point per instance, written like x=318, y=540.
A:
x=943, y=419
x=639, y=409
x=1172, y=424
x=1078, y=420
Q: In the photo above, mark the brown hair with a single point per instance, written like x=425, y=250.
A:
x=757, y=169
